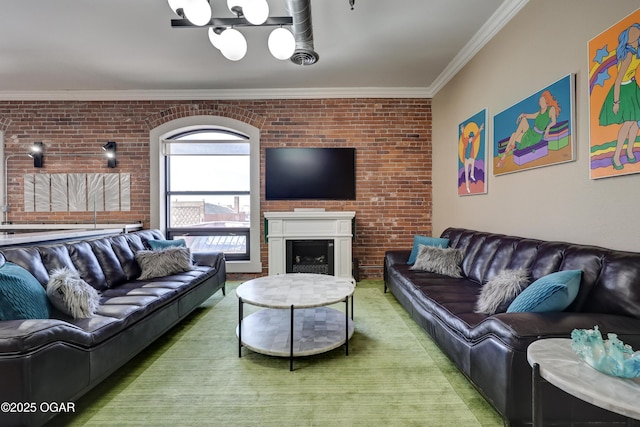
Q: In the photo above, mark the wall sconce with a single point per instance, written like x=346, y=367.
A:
x=37, y=152
x=110, y=148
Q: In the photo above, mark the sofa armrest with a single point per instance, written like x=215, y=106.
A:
x=523, y=328
x=208, y=259
x=398, y=256
x=19, y=336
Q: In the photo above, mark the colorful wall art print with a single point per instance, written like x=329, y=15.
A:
x=614, y=100
x=537, y=131
x=472, y=155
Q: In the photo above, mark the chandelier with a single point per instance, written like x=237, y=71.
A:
x=224, y=34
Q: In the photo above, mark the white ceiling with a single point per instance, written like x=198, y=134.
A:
x=127, y=49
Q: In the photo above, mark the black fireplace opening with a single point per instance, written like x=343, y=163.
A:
x=310, y=256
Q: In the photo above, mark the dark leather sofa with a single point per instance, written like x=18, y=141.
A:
x=59, y=359
x=491, y=350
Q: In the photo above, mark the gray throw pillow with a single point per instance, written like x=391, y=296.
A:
x=163, y=262
x=500, y=291
x=71, y=295
x=439, y=260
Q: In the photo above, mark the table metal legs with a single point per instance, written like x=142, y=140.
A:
x=346, y=330
x=536, y=403
x=346, y=326
x=292, y=327
x=240, y=317
x=537, y=418
x=291, y=343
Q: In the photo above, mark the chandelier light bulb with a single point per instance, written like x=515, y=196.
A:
x=256, y=11
x=282, y=43
x=197, y=11
x=215, y=38
x=234, y=45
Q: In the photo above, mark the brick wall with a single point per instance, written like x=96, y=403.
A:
x=392, y=138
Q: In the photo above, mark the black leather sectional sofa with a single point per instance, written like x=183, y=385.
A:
x=491, y=350
x=57, y=360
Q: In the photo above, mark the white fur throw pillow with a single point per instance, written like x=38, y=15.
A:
x=163, y=262
x=72, y=295
x=499, y=292
x=439, y=260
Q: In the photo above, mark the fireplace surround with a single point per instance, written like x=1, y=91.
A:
x=331, y=230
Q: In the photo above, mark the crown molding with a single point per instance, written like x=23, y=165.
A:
x=216, y=94
x=494, y=24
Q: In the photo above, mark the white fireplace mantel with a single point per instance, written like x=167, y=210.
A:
x=310, y=225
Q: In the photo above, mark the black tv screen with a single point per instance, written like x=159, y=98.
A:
x=310, y=173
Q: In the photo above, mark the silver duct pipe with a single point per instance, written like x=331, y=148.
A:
x=300, y=11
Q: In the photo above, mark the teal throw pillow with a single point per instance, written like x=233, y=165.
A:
x=163, y=244
x=553, y=292
x=427, y=241
x=21, y=295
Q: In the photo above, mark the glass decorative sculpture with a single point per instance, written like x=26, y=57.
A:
x=611, y=356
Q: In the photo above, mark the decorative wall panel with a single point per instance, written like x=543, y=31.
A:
x=59, y=199
x=125, y=192
x=95, y=189
x=112, y=192
x=77, y=192
x=29, y=196
x=43, y=192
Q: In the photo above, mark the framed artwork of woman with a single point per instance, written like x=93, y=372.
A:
x=537, y=131
x=614, y=100
x=472, y=155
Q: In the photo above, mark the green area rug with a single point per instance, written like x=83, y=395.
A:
x=394, y=375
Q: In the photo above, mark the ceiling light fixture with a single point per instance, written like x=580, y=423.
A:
x=224, y=34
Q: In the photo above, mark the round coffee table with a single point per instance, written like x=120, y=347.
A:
x=296, y=320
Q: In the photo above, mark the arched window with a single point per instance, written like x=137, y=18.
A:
x=208, y=190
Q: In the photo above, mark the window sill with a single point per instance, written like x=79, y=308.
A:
x=244, y=267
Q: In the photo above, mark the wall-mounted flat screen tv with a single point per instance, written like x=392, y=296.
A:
x=296, y=173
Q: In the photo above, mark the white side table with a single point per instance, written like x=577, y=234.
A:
x=555, y=361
